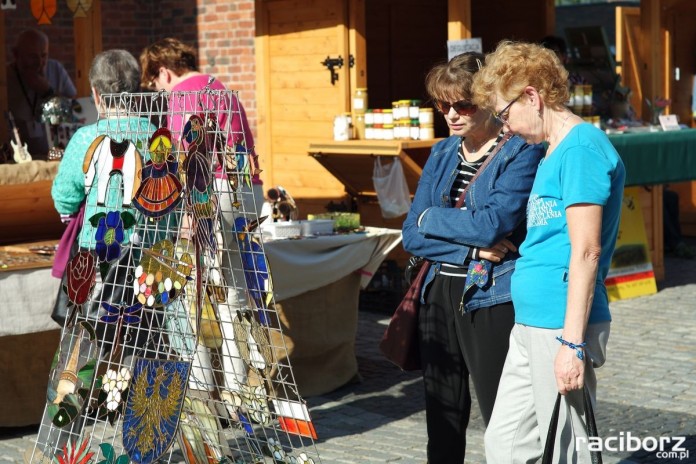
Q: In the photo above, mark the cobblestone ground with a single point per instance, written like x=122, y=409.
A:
x=647, y=389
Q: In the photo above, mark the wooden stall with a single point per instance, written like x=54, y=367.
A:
x=386, y=47
x=655, y=46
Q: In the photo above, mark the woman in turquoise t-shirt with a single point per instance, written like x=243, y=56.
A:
x=561, y=304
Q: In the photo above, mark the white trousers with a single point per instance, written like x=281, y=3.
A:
x=527, y=393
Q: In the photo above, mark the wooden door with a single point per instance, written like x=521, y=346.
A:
x=297, y=101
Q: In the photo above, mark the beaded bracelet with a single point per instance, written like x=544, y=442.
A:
x=577, y=347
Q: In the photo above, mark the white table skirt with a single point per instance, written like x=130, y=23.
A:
x=26, y=301
x=298, y=266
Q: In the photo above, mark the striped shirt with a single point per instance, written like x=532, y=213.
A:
x=466, y=170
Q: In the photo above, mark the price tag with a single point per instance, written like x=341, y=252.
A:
x=669, y=122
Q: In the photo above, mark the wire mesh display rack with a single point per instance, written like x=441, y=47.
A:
x=172, y=349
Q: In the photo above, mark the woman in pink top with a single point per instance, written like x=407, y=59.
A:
x=171, y=65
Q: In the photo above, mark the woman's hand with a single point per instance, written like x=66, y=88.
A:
x=569, y=370
x=498, y=251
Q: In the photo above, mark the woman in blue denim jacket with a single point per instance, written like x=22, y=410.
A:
x=465, y=332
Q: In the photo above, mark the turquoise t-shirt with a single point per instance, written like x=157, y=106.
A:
x=584, y=168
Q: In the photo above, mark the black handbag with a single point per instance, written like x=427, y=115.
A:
x=590, y=427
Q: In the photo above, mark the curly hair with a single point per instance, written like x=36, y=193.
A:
x=515, y=65
x=171, y=53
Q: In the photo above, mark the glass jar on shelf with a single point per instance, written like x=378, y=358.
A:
x=360, y=100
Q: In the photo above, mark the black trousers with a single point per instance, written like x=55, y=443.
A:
x=453, y=347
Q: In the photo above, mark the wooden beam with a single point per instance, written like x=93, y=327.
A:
x=357, y=44
x=652, y=72
x=550, y=17
x=263, y=104
x=88, y=42
x=4, y=131
x=458, y=19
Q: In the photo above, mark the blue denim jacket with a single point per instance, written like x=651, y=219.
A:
x=495, y=209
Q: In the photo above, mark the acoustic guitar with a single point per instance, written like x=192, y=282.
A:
x=21, y=153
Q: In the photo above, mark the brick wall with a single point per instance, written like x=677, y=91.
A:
x=223, y=31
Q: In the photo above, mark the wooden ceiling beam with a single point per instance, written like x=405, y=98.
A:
x=87, y=33
x=458, y=19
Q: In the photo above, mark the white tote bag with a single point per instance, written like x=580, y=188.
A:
x=392, y=190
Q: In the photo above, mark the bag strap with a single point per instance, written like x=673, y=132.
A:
x=590, y=428
x=487, y=161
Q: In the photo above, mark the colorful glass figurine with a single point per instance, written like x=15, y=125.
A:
x=161, y=274
x=160, y=189
x=256, y=272
x=104, y=158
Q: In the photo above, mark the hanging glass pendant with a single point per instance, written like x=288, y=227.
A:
x=79, y=7
x=43, y=10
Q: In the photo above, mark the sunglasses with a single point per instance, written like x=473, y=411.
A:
x=503, y=115
x=462, y=107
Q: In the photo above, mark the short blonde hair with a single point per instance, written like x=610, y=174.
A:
x=515, y=65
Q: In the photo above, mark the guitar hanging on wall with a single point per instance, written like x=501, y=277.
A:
x=21, y=153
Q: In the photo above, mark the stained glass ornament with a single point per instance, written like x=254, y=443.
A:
x=201, y=202
x=162, y=274
x=120, y=315
x=71, y=454
x=109, y=454
x=79, y=7
x=294, y=417
x=8, y=5
x=160, y=189
x=81, y=277
x=106, y=157
x=152, y=413
x=110, y=233
x=199, y=432
x=256, y=272
x=253, y=342
x=113, y=389
x=43, y=10
x=72, y=374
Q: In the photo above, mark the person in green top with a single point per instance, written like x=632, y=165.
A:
x=112, y=72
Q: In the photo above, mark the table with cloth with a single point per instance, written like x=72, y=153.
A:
x=653, y=159
x=316, y=281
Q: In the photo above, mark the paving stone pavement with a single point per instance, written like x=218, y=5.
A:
x=647, y=390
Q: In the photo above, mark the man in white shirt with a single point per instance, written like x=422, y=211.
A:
x=33, y=78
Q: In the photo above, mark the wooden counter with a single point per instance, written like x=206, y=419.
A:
x=352, y=161
x=27, y=213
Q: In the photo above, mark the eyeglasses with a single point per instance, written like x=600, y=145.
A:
x=462, y=107
x=503, y=115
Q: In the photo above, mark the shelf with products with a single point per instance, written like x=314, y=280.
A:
x=351, y=161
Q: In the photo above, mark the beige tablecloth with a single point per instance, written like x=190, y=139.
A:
x=298, y=266
x=317, y=284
